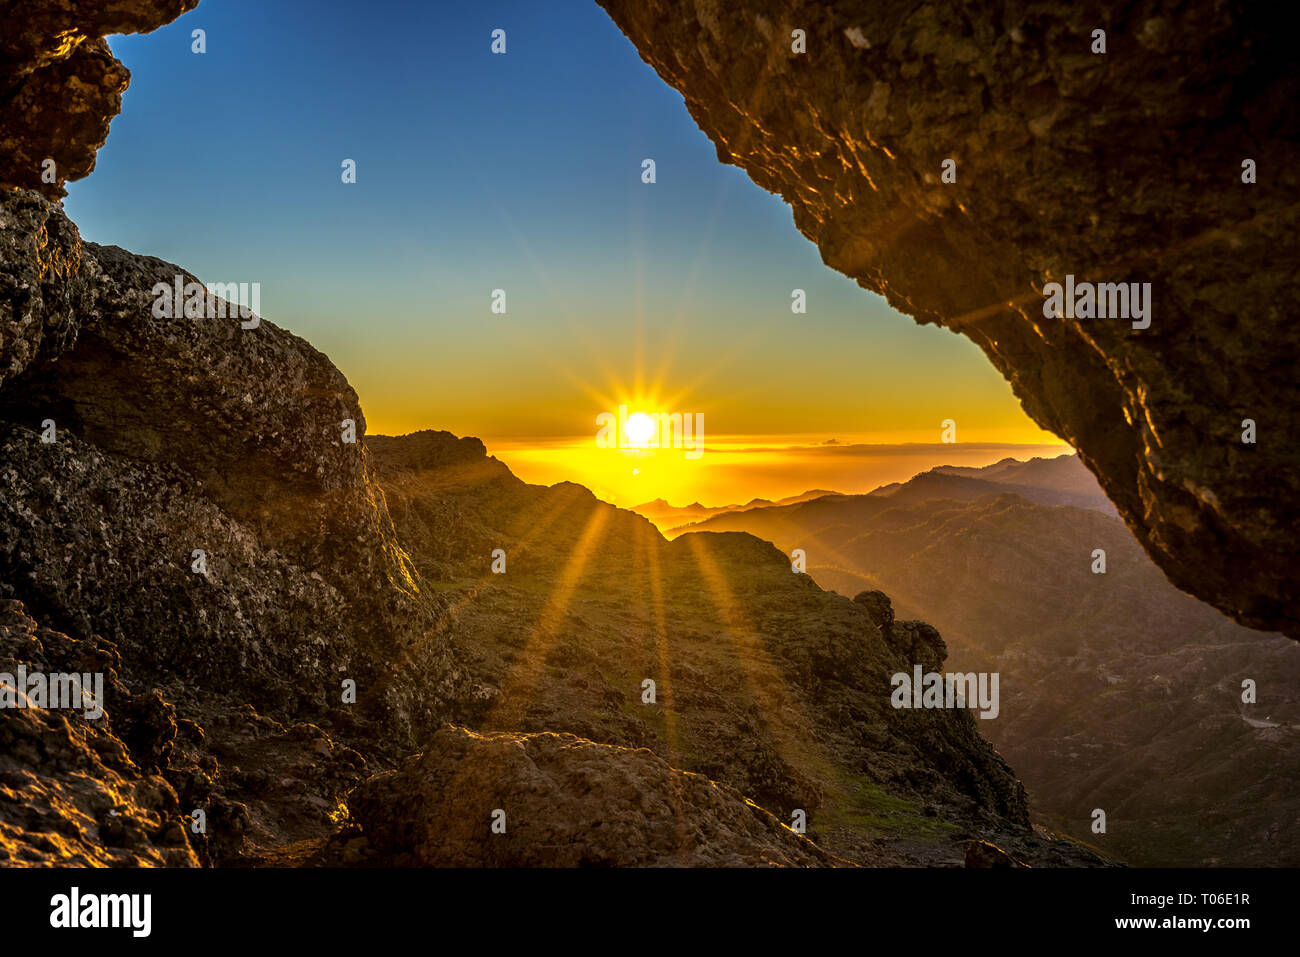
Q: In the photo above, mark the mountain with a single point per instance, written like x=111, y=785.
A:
x=290, y=624
x=665, y=516
x=1062, y=480
x=763, y=681
x=1059, y=481
x=1120, y=691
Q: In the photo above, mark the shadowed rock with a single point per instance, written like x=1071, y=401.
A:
x=879, y=608
x=177, y=434
x=1117, y=167
x=982, y=854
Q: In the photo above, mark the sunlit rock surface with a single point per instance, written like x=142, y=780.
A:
x=563, y=801
x=1117, y=167
x=72, y=790
x=61, y=86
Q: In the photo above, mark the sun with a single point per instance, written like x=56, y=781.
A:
x=641, y=428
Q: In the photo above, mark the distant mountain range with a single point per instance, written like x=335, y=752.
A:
x=1120, y=692
x=1062, y=480
x=666, y=516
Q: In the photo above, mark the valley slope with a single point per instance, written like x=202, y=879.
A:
x=1119, y=691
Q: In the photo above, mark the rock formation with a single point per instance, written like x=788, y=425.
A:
x=72, y=792
x=183, y=511
x=1122, y=166
x=572, y=803
x=180, y=434
x=60, y=85
x=177, y=500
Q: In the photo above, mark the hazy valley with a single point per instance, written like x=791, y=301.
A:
x=1120, y=692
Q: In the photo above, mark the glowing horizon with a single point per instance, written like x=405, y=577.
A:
x=694, y=294
x=736, y=469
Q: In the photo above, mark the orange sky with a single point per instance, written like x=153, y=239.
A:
x=735, y=469
x=771, y=396
x=691, y=294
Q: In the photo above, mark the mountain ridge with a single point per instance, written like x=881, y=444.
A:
x=1011, y=584
x=288, y=614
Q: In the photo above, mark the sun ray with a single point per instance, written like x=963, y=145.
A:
x=794, y=740
x=519, y=685
x=481, y=586
x=648, y=557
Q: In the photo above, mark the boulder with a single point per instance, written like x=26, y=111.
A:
x=563, y=801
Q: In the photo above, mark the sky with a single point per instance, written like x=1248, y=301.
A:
x=519, y=172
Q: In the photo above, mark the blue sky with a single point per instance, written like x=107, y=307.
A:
x=520, y=171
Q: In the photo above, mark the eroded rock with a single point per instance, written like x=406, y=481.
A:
x=61, y=86
x=78, y=789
